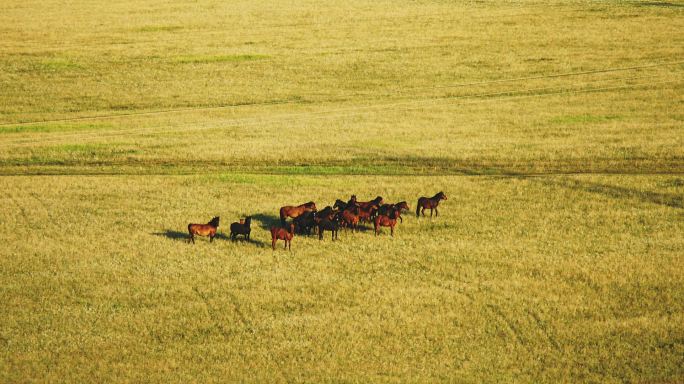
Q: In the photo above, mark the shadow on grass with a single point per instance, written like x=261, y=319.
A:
x=267, y=221
x=666, y=199
x=184, y=236
x=173, y=235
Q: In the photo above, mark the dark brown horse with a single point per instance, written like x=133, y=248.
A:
x=389, y=220
x=305, y=222
x=291, y=211
x=282, y=234
x=429, y=203
x=242, y=228
x=208, y=229
x=400, y=207
x=340, y=205
x=328, y=225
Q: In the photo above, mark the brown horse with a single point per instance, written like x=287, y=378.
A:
x=349, y=218
x=377, y=202
x=291, y=211
x=208, y=229
x=400, y=207
x=389, y=220
x=282, y=234
x=429, y=203
x=366, y=214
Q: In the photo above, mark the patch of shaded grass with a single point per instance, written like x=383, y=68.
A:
x=584, y=119
x=53, y=127
x=160, y=28
x=206, y=59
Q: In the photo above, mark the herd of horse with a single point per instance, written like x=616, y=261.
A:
x=307, y=218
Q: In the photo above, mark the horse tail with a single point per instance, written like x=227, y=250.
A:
x=418, y=208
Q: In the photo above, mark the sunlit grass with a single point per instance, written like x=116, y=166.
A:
x=554, y=128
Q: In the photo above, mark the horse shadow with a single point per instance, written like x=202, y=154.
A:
x=266, y=221
x=184, y=236
x=173, y=235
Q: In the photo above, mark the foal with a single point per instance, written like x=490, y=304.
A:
x=208, y=229
x=401, y=206
x=429, y=203
x=282, y=234
x=389, y=220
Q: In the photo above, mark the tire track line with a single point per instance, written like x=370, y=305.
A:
x=277, y=102
x=409, y=105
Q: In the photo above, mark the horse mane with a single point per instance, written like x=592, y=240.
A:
x=214, y=222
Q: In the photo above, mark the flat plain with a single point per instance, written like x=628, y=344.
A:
x=554, y=128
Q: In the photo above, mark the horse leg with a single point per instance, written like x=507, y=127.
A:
x=273, y=242
x=192, y=238
x=436, y=212
x=430, y=212
x=392, y=230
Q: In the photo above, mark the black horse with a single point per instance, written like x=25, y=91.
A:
x=243, y=229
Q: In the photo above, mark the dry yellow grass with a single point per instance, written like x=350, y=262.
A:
x=555, y=128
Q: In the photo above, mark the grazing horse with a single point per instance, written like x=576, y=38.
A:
x=290, y=211
x=349, y=218
x=282, y=234
x=400, y=206
x=389, y=220
x=328, y=225
x=429, y=203
x=242, y=228
x=208, y=229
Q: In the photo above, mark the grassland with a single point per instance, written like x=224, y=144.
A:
x=555, y=128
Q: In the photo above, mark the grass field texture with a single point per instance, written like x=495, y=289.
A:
x=555, y=129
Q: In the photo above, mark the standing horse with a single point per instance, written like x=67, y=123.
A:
x=400, y=206
x=208, y=229
x=241, y=228
x=340, y=205
x=389, y=220
x=305, y=222
x=367, y=214
x=349, y=218
x=290, y=211
x=429, y=203
x=377, y=202
x=282, y=234
x=328, y=225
